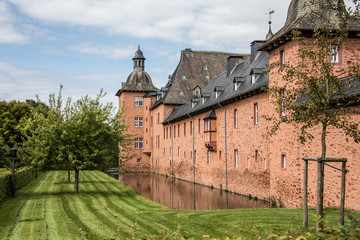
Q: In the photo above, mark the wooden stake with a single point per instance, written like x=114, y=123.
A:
x=305, y=189
x=342, y=200
x=320, y=196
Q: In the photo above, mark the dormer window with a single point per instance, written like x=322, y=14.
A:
x=184, y=77
x=237, y=82
x=194, y=101
x=218, y=91
x=196, y=91
x=255, y=74
x=204, y=97
x=252, y=75
x=205, y=67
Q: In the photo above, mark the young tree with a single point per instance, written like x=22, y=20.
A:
x=316, y=90
x=78, y=136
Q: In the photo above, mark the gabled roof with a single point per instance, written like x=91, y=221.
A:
x=190, y=73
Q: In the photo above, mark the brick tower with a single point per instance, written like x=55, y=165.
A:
x=136, y=106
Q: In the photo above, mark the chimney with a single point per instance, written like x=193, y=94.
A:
x=255, y=45
x=231, y=63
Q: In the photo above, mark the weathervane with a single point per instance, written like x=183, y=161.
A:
x=270, y=34
x=270, y=13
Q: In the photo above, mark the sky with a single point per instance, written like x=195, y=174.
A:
x=88, y=45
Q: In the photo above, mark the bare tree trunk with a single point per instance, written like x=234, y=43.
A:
x=68, y=176
x=76, y=183
x=320, y=181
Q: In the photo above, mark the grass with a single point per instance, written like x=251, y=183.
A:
x=3, y=171
x=47, y=208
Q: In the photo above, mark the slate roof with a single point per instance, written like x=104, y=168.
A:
x=301, y=17
x=196, y=68
x=225, y=81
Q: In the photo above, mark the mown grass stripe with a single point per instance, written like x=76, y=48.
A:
x=112, y=201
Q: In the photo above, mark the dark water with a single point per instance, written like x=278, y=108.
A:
x=181, y=195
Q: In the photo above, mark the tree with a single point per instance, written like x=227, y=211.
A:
x=315, y=90
x=82, y=135
x=4, y=152
x=12, y=116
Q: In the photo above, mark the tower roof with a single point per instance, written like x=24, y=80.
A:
x=139, y=54
x=138, y=80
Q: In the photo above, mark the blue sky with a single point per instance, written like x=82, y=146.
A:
x=86, y=45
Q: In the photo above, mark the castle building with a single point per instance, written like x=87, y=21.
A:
x=205, y=125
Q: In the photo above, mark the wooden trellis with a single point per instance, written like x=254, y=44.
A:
x=320, y=183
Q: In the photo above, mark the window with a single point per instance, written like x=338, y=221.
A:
x=334, y=54
x=252, y=77
x=193, y=104
x=170, y=132
x=138, y=160
x=283, y=161
x=236, y=158
x=158, y=119
x=184, y=129
x=219, y=155
x=178, y=151
x=191, y=128
x=207, y=125
x=282, y=57
x=178, y=130
x=256, y=155
x=256, y=113
x=199, y=125
x=217, y=93
x=235, y=119
x=139, y=143
x=283, y=108
x=138, y=101
x=195, y=157
x=167, y=133
x=208, y=157
x=139, y=122
x=175, y=131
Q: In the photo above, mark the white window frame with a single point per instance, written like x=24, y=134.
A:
x=256, y=114
x=139, y=143
x=235, y=118
x=334, y=54
x=139, y=101
x=283, y=161
x=236, y=158
x=283, y=108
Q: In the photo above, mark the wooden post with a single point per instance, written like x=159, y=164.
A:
x=342, y=200
x=320, y=195
x=305, y=193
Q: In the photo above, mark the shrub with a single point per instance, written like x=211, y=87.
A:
x=22, y=177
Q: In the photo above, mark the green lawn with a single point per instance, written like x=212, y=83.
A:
x=47, y=208
x=3, y=171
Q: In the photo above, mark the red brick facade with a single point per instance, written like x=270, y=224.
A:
x=244, y=161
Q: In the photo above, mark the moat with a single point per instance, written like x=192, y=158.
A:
x=181, y=195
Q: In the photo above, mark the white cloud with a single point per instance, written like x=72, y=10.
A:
x=103, y=51
x=198, y=22
x=8, y=31
x=17, y=83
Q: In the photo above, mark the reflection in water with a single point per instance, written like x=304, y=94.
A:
x=181, y=195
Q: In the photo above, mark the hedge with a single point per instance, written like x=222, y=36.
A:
x=22, y=177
